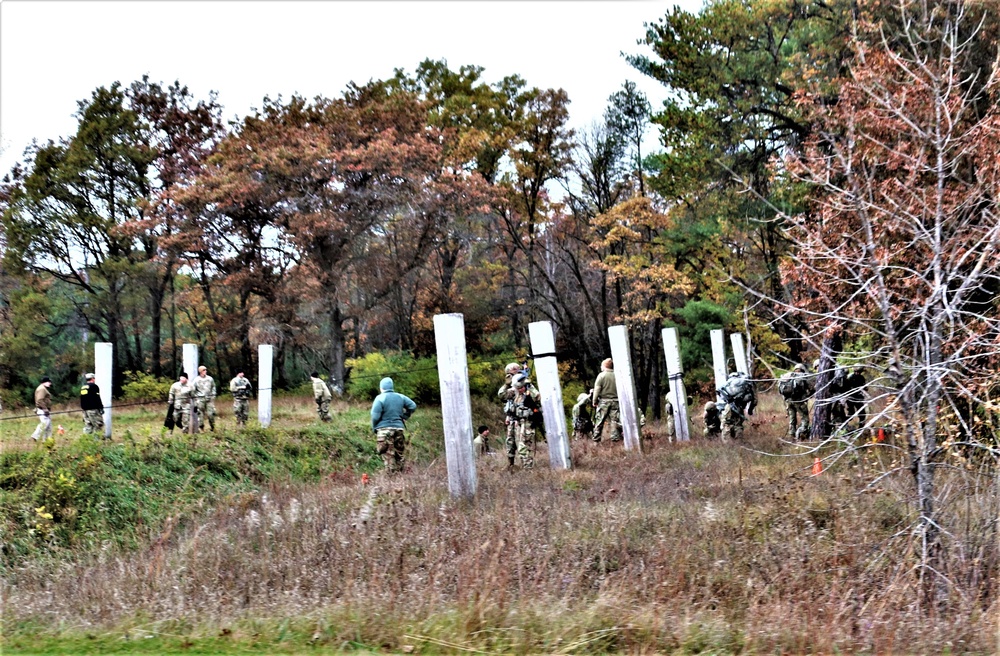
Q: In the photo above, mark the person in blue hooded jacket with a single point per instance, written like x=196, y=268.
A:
x=389, y=412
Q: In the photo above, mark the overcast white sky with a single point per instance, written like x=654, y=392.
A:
x=53, y=54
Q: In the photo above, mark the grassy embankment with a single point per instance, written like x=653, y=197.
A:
x=254, y=543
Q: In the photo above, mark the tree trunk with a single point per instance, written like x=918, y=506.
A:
x=824, y=378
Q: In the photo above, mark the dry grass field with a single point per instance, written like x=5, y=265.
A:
x=702, y=547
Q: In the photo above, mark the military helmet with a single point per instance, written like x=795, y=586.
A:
x=710, y=405
x=583, y=396
x=520, y=380
x=799, y=367
x=512, y=368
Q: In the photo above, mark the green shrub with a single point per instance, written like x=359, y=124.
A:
x=140, y=386
x=418, y=377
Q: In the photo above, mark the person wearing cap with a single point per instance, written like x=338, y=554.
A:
x=43, y=408
x=92, y=406
x=322, y=396
x=582, y=423
x=390, y=410
x=204, y=397
x=179, y=399
x=481, y=442
x=241, y=389
x=605, y=399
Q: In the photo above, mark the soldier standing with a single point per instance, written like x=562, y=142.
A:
x=322, y=396
x=241, y=389
x=389, y=412
x=204, y=396
x=606, y=401
x=582, y=424
x=43, y=408
x=507, y=393
x=668, y=417
x=179, y=399
x=92, y=406
x=795, y=388
x=739, y=396
x=527, y=413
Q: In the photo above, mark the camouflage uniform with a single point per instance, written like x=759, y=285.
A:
x=204, y=398
x=796, y=388
x=322, y=396
x=507, y=394
x=582, y=425
x=179, y=399
x=389, y=412
x=849, y=386
x=93, y=408
x=606, y=400
x=739, y=396
x=526, y=415
x=713, y=421
x=241, y=389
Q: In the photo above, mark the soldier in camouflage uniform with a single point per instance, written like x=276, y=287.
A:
x=739, y=397
x=606, y=401
x=204, y=397
x=389, y=412
x=796, y=388
x=582, y=424
x=668, y=418
x=713, y=421
x=179, y=399
x=527, y=414
x=507, y=393
x=322, y=396
x=241, y=389
x=92, y=406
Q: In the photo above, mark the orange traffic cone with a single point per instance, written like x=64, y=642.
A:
x=364, y=479
x=881, y=435
x=817, y=467
x=61, y=430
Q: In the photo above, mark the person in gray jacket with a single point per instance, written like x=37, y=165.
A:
x=389, y=412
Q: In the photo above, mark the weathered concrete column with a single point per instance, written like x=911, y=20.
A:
x=678, y=395
x=190, y=359
x=543, y=341
x=739, y=353
x=719, y=358
x=103, y=359
x=456, y=404
x=265, y=362
x=625, y=382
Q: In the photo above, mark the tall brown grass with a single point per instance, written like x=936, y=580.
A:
x=700, y=547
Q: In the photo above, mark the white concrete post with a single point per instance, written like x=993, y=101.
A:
x=456, y=404
x=625, y=382
x=678, y=395
x=543, y=341
x=719, y=358
x=103, y=359
x=739, y=353
x=190, y=359
x=265, y=361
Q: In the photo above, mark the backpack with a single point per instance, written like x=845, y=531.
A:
x=736, y=389
x=791, y=386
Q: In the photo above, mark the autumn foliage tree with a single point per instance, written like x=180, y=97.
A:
x=899, y=245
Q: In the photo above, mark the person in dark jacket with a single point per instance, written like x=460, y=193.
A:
x=92, y=406
x=389, y=412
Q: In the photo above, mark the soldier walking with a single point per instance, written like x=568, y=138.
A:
x=241, y=389
x=179, y=398
x=92, y=406
x=322, y=396
x=606, y=402
x=796, y=388
x=390, y=410
x=43, y=408
x=739, y=397
x=204, y=396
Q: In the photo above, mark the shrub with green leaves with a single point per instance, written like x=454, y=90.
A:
x=140, y=386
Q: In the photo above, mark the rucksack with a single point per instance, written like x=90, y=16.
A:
x=736, y=389
x=791, y=386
